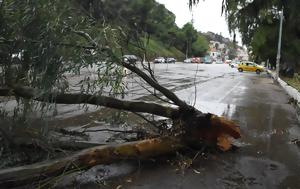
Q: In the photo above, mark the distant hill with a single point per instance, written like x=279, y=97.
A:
x=210, y=36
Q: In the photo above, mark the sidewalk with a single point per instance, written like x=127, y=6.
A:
x=292, y=92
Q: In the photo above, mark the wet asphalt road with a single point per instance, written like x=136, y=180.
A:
x=267, y=158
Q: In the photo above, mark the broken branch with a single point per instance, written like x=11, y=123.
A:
x=110, y=102
x=88, y=158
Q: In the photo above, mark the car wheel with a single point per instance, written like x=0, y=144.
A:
x=232, y=66
x=240, y=70
x=257, y=71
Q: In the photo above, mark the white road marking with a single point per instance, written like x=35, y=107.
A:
x=228, y=92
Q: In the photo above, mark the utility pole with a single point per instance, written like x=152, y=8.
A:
x=279, y=46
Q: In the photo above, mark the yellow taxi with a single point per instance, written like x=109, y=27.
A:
x=250, y=67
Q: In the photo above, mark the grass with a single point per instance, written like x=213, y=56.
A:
x=158, y=49
x=294, y=82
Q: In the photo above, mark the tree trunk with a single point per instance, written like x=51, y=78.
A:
x=134, y=106
x=88, y=158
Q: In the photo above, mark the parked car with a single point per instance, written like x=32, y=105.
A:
x=170, y=60
x=250, y=67
x=159, y=60
x=196, y=60
x=207, y=60
x=202, y=60
x=129, y=58
x=188, y=60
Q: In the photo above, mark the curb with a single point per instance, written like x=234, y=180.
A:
x=292, y=92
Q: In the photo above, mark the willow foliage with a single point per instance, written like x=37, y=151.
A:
x=51, y=39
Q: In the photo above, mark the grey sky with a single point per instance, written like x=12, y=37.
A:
x=207, y=15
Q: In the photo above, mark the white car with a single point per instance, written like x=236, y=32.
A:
x=159, y=60
x=188, y=60
x=170, y=60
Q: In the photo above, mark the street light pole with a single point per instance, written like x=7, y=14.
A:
x=279, y=46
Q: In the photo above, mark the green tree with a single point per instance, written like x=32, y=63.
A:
x=190, y=36
x=258, y=22
x=200, y=46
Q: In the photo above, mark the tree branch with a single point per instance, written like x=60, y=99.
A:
x=87, y=158
x=169, y=94
x=153, y=93
x=148, y=121
x=110, y=102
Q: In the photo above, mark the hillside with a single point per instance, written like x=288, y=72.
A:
x=155, y=48
x=138, y=19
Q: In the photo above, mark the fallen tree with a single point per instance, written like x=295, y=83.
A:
x=191, y=129
x=37, y=81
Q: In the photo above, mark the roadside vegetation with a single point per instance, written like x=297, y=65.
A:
x=147, y=19
x=156, y=48
x=294, y=81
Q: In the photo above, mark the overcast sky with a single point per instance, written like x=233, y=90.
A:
x=207, y=15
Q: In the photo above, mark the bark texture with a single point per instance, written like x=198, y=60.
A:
x=110, y=102
x=88, y=158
